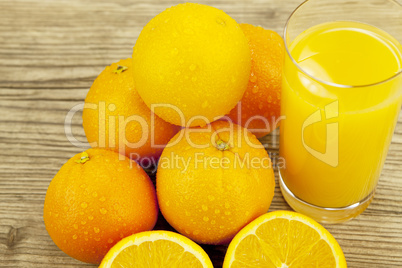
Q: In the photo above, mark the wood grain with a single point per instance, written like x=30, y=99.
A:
x=50, y=53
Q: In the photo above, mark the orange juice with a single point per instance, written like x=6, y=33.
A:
x=339, y=119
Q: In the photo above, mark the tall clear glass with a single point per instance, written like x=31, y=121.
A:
x=341, y=96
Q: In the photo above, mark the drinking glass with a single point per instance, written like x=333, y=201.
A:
x=341, y=96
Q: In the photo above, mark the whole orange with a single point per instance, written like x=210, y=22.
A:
x=116, y=118
x=260, y=106
x=214, y=180
x=194, y=61
x=95, y=200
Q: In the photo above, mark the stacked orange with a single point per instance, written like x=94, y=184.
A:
x=116, y=118
x=95, y=200
x=259, y=109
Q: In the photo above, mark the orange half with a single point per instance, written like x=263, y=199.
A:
x=284, y=239
x=156, y=249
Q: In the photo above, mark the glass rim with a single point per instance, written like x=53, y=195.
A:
x=321, y=81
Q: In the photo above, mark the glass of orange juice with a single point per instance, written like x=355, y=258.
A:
x=341, y=96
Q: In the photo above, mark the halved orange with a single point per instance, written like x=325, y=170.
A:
x=156, y=249
x=284, y=239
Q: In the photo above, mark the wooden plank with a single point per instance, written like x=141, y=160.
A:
x=51, y=51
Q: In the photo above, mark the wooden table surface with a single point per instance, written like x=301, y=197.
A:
x=50, y=53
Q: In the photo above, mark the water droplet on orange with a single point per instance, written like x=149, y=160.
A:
x=196, y=232
x=255, y=89
x=204, y=207
x=84, y=205
x=269, y=99
x=103, y=211
x=75, y=236
x=96, y=230
x=220, y=21
x=253, y=78
x=205, y=218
